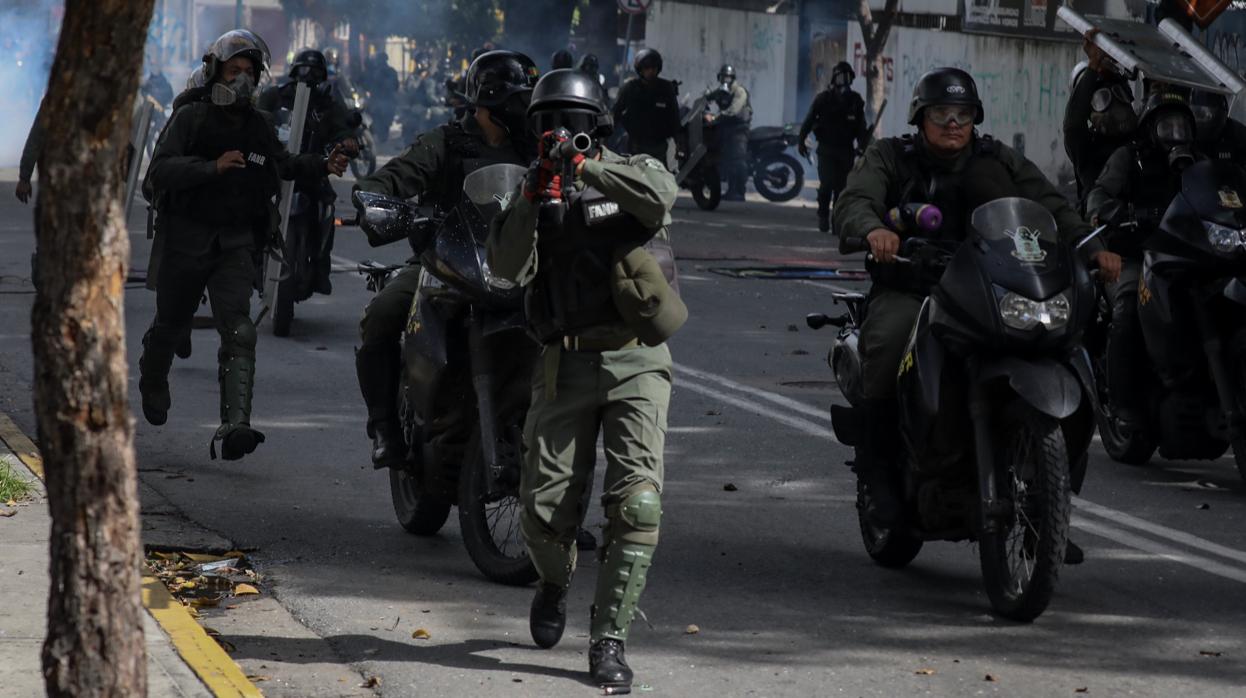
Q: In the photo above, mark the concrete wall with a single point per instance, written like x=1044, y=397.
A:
x=1024, y=84
x=695, y=40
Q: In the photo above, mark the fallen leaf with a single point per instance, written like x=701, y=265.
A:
x=712, y=413
x=201, y=557
x=1083, y=689
x=1204, y=506
x=730, y=487
x=691, y=630
x=925, y=672
x=256, y=678
x=1210, y=653
x=245, y=590
x=421, y=634
x=8, y=512
x=989, y=677
x=205, y=602
x=372, y=682
x=11, y=503
x=231, y=607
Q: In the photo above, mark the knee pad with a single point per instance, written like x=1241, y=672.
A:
x=239, y=338
x=635, y=519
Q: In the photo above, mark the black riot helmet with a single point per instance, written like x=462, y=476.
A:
x=1167, y=122
x=231, y=44
x=562, y=58
x=589, y=65
x=502, y=82
x=944, y=86
x=572, y=100
x=842, y=75
x=726, y=74
x=310, y=66
x=647, y=58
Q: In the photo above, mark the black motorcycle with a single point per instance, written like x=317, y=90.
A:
x=466, y=379
x=777, y=175
x=697, y=154
x=1192, y=309
x=996, y=401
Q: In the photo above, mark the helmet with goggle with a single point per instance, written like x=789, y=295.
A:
x=570, y=99
x=950, y=87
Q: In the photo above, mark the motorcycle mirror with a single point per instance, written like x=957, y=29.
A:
x=382, y=218
x=817, y=321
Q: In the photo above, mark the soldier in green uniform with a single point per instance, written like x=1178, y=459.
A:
x=943, y=164
x=599, y=302
x=215, y=172
x=498, y=86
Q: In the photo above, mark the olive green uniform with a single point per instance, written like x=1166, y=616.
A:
x=888, y=174
x=601, y=381
x=432, y=167
x=220, y=256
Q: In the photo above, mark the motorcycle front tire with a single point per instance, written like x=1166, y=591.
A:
x=889, y=547
x=794, y=182
x=419, y=512
x=511, y=566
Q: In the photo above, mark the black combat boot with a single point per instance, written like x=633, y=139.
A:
x=608, y=667
x=183, y=346
x=378, y=370
x=153, y=381
x=876, y=463
x=548, y=617
x=824, y=222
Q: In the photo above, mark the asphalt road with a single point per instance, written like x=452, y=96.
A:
x=772, y=571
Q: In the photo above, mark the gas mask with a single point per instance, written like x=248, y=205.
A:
x=1173, y=133
x=840, y=80
x=235, y=93
x=1111, y=113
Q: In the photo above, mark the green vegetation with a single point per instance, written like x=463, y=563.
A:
x=13, y=487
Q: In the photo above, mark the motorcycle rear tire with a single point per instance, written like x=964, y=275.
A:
x=891, y=548
x=1131, y=448
x=420, y=513
x=795, y=182
x=496, y=564
x=708, y=192
x=1035, y=441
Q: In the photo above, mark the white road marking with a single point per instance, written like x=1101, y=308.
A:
x=1093, y=526
x=1159, y=549
x=829, y=287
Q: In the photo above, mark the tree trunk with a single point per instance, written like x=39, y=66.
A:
x=874, y=33
x=94, y=645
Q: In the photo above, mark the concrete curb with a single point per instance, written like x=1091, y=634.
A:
x=180, y=635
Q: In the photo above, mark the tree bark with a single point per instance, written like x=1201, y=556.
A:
x=94, y=645
x=875, y=32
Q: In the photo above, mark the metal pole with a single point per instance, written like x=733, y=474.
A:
x=238, y=14
x=627, y=49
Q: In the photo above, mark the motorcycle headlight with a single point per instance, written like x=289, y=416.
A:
x=1224, y=239
x=1022, y=313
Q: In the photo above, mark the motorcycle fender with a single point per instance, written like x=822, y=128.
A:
x=424, y=353
x=1046, y=385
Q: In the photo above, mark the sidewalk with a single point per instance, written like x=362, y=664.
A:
x=23, y=605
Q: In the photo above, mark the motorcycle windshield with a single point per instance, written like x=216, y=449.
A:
x=1216, y=191
x=457, y=255
x=1022, y=248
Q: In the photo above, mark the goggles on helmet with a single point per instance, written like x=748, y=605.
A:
x=946, y=114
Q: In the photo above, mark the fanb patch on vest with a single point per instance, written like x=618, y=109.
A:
x=600, y=210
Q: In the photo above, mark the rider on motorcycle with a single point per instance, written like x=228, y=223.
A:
x=498, y=87
x=935, y=165
x=327, y=123
x=1138, y=182
x=733, y=119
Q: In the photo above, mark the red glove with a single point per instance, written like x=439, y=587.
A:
x=542, y=182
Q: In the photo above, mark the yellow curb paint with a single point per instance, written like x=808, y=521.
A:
x=200, y=652
x=209, y=662
x=22, y=447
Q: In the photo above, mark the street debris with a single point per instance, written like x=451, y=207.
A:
x=990, y=677
x=730, y=487
x=421, y=634
x=1210, y=653
x=372, y=682
x=1083, y=689
x=1203, y=507
x=793, y=328
x=203, y=580
x=692, y=629
x=925, y=672
x=799, y=352
x=712, y=413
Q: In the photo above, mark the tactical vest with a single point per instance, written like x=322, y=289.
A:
x=239, y=197
x=572, y=289
x=946, y=190
x=837, y=116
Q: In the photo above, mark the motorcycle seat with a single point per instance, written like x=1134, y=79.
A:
x=765, y=133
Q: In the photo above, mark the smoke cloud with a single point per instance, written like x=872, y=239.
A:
x=28, y=34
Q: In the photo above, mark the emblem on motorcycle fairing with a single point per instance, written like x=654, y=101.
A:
x=1028, y=249
x=504, y=199
x=1229, y=198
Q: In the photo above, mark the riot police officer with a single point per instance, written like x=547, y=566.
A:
x=498, y=86
x=382, y=84
x=577, y=247
x=733, y=125
x=1098, y=118
x=328, y=123
x=562, y=58
x=944, y=160
x=1138, y=182
x=647, y=107
x=837, y=118
x=214, y=174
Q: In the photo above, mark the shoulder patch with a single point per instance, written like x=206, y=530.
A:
x=649, y=161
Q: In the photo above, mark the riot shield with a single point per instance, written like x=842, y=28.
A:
x=138, y=144
x=276, y=262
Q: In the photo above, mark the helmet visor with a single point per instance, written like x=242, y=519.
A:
x=1173, y=129
x=575, y=121
x=947, y=114
x=308, y=73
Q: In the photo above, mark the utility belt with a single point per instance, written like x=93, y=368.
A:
x=578, y=343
